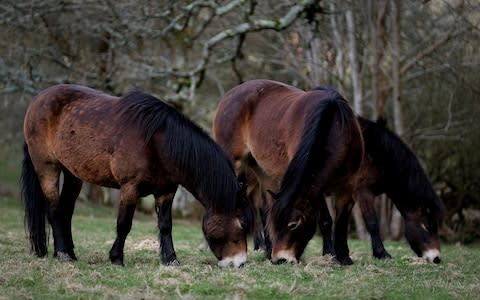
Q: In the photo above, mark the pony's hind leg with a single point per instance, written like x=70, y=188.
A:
x=163, y=207
x=365, y=201
x=49, y=174
x=126, y=210
x=70, y=191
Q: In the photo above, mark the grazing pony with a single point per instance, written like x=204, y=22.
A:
x=390, y=167
x=138, y=144
x=301, y=145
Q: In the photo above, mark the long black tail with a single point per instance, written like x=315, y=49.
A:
x=35, y=206
x=311, y=153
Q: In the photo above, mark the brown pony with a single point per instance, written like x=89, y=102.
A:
x=138, y=144
x=302, y=145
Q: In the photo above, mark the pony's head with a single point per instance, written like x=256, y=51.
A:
x=226, y=233
x=421, y=232
x=290, y=229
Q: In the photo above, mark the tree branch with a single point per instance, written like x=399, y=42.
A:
x=239, y=30
x=407, y=65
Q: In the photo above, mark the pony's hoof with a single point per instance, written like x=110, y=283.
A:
x=173, y=263
x=259, y=249
x=382, y=255
x=328, y=252
x=118, y=262
x=346, y=261
x=65, y=257
x=259, y=246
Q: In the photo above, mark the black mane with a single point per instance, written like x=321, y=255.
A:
x=403, y=179
x=189, y=146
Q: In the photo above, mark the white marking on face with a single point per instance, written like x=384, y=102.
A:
x=286, y=255
x=233, y=261
x=431, y=254
x=424, y=227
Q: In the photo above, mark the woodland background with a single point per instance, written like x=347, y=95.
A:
x=415, y=63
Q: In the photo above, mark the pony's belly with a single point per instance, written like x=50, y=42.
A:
x=86, y=162
x=271, y=156
x=272, y=166
x=92, y=171
x=271, y=146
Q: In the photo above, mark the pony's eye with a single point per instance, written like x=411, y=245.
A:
x=292, y=225
x=297, y=223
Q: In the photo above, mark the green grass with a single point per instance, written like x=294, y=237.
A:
x=405, y=277
x=10, y=166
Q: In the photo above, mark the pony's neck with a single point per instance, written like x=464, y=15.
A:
x=201, y=165
x=197, y=193
x=210, y=201
x=411, y=199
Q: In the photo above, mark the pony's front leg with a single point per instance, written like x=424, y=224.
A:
x=126, y=210
x=163, y=207
x=343, y=207
x=325, y=223
x=365, y=200
x=267, y=204
x=258, y=239
x=258, y=229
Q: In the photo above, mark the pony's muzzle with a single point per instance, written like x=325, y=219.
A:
x=280, y=261
x=235, y=261
x=432, y=255
x=283, y=257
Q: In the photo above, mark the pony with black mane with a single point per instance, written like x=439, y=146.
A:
x=303, y=144
x=391, y=168
x=138, y=144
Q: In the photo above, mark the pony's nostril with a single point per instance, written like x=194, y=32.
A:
x=241, y=265
x=281, y=261
x=437, y=260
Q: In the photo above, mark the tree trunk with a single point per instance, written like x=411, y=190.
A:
x=389, y=217
x=96, y=194
x=378, y=11
x=396, y=223
x=115, y=198
x=337, y=41
x=396, y=86
x=356, y=83
x=357, y=106
x=384, y=209
x=360, y=227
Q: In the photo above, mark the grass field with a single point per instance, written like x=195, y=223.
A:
x=405, y=277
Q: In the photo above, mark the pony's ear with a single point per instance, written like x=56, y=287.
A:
x=238, y=224
x=295, y=224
